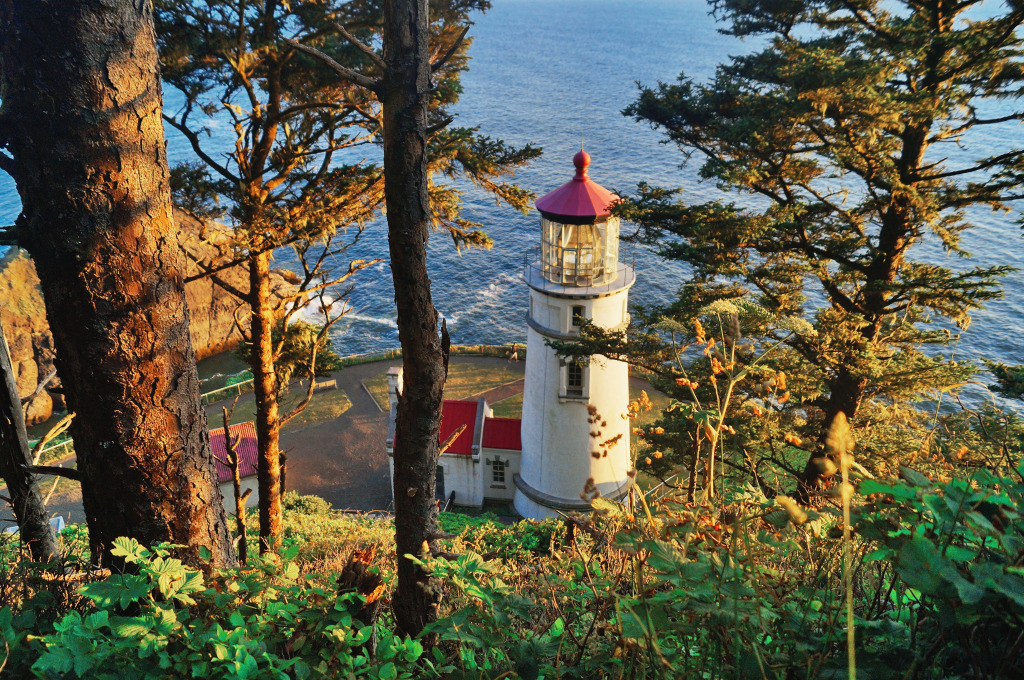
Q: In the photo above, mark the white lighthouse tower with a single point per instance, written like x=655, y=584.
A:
x=576, y=275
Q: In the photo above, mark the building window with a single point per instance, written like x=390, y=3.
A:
x=498, y=473
x=579, y=313
x=574, y=379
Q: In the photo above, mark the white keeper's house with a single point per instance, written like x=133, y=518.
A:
x=545, y=461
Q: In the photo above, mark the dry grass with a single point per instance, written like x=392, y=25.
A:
x=324, y=406
x=464, y=380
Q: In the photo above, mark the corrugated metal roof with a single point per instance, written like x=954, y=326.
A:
x=453, y=415
x=503, y=433
x=248, y=452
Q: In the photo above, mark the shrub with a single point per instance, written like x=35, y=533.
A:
x=168, y=621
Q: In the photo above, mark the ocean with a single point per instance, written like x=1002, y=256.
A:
x=553, y=74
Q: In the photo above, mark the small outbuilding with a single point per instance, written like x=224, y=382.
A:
x=481, y=462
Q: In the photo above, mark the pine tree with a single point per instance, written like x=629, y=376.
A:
x=851, y=138
x=253, y=66
x=424, y=50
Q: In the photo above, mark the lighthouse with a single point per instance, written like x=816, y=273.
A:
x=574, y=431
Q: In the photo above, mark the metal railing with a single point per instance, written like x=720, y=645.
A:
x=227, y=391
x=65, y=447
x=536, y=273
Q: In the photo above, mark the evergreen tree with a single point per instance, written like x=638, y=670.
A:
x=424, y=50
x=278, y=182
x=852, y=137
x=253, y=67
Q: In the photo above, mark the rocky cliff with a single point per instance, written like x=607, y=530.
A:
x=212, y=313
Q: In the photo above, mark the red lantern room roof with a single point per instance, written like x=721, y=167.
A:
x=579, y=201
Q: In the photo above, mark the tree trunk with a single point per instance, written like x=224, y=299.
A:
x=236, y=485
x=406, y=92
x=26, y=498
x=846, y=392
x=81, y=116
x=264, y=381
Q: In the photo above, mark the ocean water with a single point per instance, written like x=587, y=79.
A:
x=551, y=73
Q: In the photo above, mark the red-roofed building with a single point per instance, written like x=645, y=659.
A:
x=244, y=436
x=481, y=462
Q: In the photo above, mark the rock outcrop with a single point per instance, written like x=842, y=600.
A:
x=212, y=313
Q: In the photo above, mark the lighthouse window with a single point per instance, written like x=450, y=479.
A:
x=574, y=254
x=579, y=313
x=574, y=379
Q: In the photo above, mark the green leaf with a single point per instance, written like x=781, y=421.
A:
x=605, y=506
x=130, y=549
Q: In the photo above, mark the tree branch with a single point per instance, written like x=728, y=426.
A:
x=451, y=439
x=69, y=473
x=439, y=64
x=193, y=139
x=39, y=388
x=365, y=49
x=440, y=125
x=207, y=271
x=346, y=73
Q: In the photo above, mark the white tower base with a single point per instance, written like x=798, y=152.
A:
x=569, y=412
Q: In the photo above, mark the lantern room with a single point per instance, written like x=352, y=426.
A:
x=579, y=238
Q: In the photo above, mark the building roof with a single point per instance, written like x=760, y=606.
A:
x=503, y=433
x=248, y=452
x=581, y=200
x=453, y=415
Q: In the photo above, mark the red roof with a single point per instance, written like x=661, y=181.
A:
x=503, y=433
x=248, y=452
x=578, y=199
x=453, y=415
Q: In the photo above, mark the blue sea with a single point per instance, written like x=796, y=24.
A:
x=552, y=73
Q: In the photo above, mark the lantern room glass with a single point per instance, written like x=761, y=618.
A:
x=579, y=254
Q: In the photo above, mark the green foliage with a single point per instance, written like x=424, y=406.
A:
x=1009, y=378
x=296, y=343
x=167, y=621
x=485, y=534
x=958, y=545
x=662, y=590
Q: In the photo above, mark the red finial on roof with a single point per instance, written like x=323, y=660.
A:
x=581, y=160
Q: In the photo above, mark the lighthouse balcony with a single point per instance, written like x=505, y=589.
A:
x=571, y=279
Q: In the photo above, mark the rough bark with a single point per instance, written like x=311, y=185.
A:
x=405, y=95
x=15, y=456
x=268, y=426
x=81, y=117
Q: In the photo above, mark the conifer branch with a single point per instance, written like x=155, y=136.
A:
x=439, y=64
x=359, y=45
x=193, y=139
x=346, y=73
